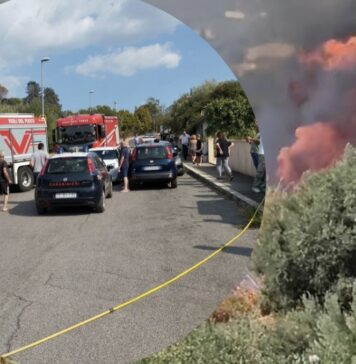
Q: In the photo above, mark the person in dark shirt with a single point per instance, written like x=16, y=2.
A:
x=223, y=147
x=5, y=181
x=124, y=164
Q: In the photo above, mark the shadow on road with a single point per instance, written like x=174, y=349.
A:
x=151, y=186
x=28, y=208
x=219, y=212
x=237, y=250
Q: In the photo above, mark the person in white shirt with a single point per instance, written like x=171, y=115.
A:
x=184, y=139
x=259, y=183
x=38, y=160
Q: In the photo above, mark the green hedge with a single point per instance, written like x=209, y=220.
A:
x=307, y=242
x=305, y=336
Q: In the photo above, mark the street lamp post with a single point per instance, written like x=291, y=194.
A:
x=43, y=60
x=90, y=93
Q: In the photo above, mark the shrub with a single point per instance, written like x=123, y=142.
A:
x=336, y=333
x=235, y=342
x=308, y=237
x=241, y=302
x=313, y=334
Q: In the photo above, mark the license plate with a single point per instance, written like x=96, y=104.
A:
x=65, y=195
x=152, y=168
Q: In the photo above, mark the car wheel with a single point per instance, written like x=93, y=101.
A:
x=181, y=173
x=110, y=191
x=174, y=183
x=25, y=178
x=100, y=207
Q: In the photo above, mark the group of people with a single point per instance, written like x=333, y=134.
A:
x=192, y=146
x=223, y=147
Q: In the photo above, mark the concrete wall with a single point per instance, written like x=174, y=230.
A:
x=240, y=158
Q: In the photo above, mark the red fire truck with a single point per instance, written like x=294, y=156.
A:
x=19, y=136
x=81, y=132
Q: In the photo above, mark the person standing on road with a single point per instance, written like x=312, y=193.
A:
x=199, y=150
x=136, y=140
x=254, y=147
x=193, y=148
x=124, y=164
x=259, y=183
x=38, y=160
x=184, y=139
x=223, y=147
x=5, y=181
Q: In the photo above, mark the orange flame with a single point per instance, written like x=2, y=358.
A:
x=333, y=55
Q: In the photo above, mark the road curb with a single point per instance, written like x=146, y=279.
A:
x=221, y=187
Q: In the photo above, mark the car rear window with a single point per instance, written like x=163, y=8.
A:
x=67, y=165
x=151, y=153
x=106, y=154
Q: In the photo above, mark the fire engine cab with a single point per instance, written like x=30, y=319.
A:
x=20, y=135
x=81, y=132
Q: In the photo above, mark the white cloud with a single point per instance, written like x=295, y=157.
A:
x=14, y=84
x=130, y=60
x=30, y=28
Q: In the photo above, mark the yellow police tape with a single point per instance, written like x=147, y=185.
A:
x=135, y=299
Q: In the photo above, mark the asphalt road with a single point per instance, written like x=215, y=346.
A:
x=61, y=268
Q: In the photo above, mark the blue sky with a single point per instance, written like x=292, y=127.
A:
x=124, y=50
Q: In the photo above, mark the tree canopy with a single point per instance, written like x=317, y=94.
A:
x=216, y=106
x=221, y=106
x=33, y=91
x=3, y=91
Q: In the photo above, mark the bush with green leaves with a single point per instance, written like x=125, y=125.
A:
x=307, y=242
x=313, y=334
x=239, y=341
x=336, y=333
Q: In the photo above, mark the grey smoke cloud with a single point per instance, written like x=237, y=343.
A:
x=260, y=41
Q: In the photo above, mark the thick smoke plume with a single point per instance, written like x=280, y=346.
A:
x=332, y=116
x=317, y=146
x=262, y=46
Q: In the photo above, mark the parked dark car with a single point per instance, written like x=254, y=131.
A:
x=152, y=162
x=73, y=179
x=176, y=157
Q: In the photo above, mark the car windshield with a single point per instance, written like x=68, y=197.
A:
x=67, y=165
x=106, y=154
x=77, y=134
x=151, y=153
